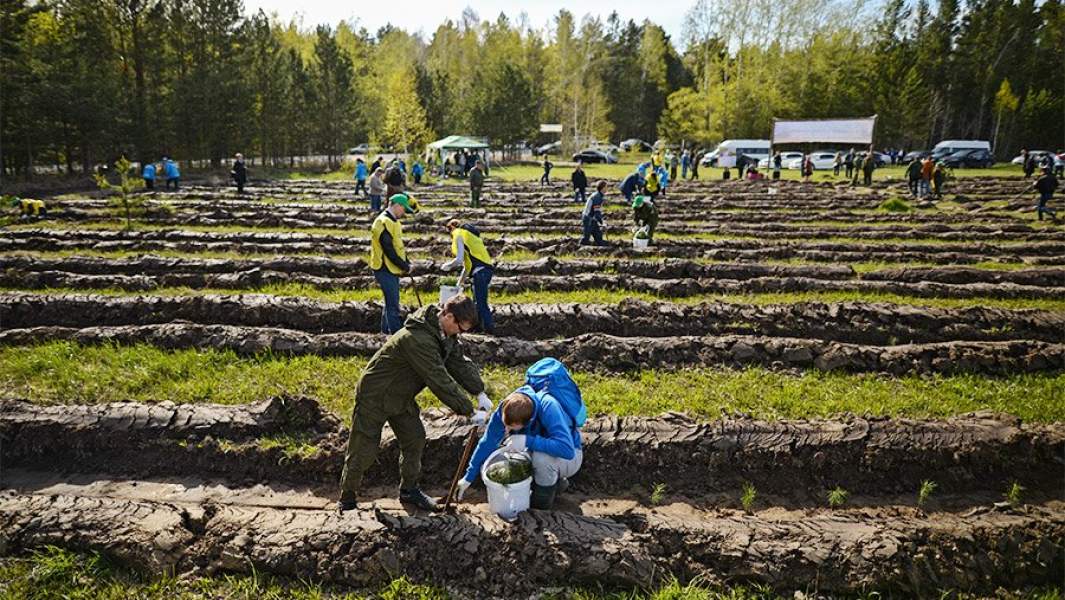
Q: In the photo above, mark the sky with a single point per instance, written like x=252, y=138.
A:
x=425, y=16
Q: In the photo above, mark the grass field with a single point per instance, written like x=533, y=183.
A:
x=587, y=296
x=64, y=372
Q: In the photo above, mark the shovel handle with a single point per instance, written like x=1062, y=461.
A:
x=471, y=440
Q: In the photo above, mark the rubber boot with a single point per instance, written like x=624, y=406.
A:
x=543, y=496
x=418, y=498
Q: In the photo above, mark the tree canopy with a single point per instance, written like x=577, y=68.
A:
x=84, y=82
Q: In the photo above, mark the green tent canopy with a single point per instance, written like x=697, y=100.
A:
x=453, y=143
x=458, y=142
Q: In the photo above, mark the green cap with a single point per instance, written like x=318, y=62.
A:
x=405, y=201
x=638, y=201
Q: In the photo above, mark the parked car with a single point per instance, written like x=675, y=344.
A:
x=785, y=158
x=591, y=155
x=821, y=160
x=605, y=147
x=916, y=154
x=1038, y=155
x=978, y=158
x=551, y=148
x=360, y=149
x=634, y=145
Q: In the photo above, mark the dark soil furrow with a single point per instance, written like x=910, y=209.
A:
x=877, y=324
x=796, y=460
x=842, y=552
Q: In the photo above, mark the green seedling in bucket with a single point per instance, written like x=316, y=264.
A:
x=510, y=470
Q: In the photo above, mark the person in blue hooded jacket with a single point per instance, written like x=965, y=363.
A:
x=536, y=422
x=361, y=173
x=172, y=172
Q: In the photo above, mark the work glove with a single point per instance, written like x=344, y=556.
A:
x=516, y=442
x=484, y=402
x=449, y=266
x=479, y=418
x=460, y=489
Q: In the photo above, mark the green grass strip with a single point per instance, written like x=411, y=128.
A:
x=65, y=372
x=58, y=573
x=587, y=296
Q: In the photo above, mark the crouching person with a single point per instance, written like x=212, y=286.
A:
x=542, y=417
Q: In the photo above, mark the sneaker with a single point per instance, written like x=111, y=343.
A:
x=345, y=505
x=418, y=499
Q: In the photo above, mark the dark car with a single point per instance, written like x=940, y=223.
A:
x=916, y=155
x=590, y=155
x=977, y=158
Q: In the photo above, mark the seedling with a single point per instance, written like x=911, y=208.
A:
x=1014, y=493
x=125, y=188
x=838, y=497
x=747, y=499
x=927, y=487
x=658, y=494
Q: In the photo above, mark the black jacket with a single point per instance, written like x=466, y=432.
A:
x=579, y=179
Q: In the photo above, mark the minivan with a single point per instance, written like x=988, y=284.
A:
x=948, y=147
x=727, y=151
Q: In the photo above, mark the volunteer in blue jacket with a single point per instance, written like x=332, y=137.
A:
x=360, y=176
x=148, y=173
x=476, y=263
x=631, y=184
x=542, y=417
x=172, y=172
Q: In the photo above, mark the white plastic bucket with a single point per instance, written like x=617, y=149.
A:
x=640, y=244
x=506, y=500
x=449, y=291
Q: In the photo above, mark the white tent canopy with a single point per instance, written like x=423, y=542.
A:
x=835, y=131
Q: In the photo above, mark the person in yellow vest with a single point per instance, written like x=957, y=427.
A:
x=29, y=208
x=388, y=259
x=471, y=255
x=652, y=186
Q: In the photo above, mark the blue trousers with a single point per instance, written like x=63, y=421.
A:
x=481, y=279
x=592, y=229
x=1042, y=207
x=578, y=195
x=375, y=203
x=390, y=320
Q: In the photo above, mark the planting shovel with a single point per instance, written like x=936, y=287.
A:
x=414, y=285
x=471, y=441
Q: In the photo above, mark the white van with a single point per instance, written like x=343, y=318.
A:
x=948, y=147
x=727, y=151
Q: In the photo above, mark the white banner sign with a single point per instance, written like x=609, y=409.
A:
x=838, y=131
x=551, y=128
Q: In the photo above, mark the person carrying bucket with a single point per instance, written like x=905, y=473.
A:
x=542, y=417
x=645, y=214
x=388, y=259
x=473, y=257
